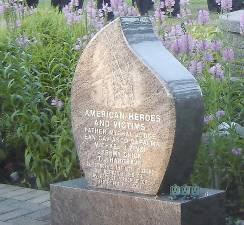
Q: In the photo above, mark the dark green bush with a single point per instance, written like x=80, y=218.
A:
x=32, y=76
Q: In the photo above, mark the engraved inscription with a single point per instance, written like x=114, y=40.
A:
x=123, y=117
x=121, y=140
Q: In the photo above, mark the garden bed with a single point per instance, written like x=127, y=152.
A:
x=39, y=50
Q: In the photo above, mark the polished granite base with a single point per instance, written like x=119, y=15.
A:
x=74, y=203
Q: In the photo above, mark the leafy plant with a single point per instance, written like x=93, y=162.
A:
x=37, y=66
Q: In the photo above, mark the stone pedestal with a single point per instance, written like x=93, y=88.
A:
x=230, y=25
x=73, y=203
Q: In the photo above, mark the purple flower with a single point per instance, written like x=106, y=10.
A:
x=220, y=113
x=184, y=2
x=91, y=8
x=22, y=41
x=57, y=103
x=169, y=3
x=72, y=13
x=184, y=9
x=18, y=23
x=175, y=47
x=208, y=57
x=2, y=8
x=217, y=71
x=95, y=17
x=208, y=119
x=159, y=14
x=71, y=17
x=176, y=31
x=200, y=66
x=115, y=4
x=19, y=8
x=106, y=7
x=184, y=13
x=161, y=5
x=203, y=17
x=202, y=45
x=242, y=23
x=16, y=8
x=195, y=67
x=186, y=43
x=228, y=55
x=236, y=151
x=120, y=8
x=226, y=5
x=216, y=46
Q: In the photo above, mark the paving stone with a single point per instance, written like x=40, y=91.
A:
x=9, y=201
x=7, y=208
x=11, y=187
x=31, y=206
x=43, y=192
x=17, y=192
x=24, y=206
x=46, y=218
x=41, y=199
x=2, y=199
x=14, y=214
x=7, y=190
x=5, y=223
x=23, y=220
x=47, y=203
x=3, y=186
x=42, y=215
x=30, y=195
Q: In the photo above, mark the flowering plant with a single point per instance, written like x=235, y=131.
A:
x=37, y=63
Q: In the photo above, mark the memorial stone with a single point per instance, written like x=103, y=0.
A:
x=137, y=117
x=137, y=112
x=230, y=25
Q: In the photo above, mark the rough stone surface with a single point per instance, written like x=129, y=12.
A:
x=231, y=21
x=26, y=221
x=230, y=24
x=235, y=40
x=4, y=223
x=136, y=111
x=73, y=203
x=40, y=199
x=22, y=211
x=18, y=192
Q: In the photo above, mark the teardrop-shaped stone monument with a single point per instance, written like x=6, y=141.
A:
x=137, y=113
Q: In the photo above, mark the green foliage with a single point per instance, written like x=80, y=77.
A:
x=220, y=161
x=217, y=166
x=31, y=76
x=40, y=71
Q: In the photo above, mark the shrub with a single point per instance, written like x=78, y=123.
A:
x=37, y=66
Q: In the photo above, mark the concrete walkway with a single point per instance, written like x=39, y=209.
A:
x=23, y=206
